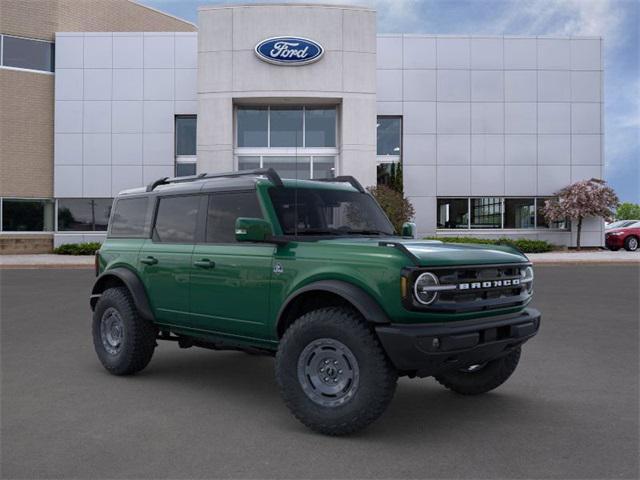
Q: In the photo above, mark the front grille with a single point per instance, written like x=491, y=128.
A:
x=477, y=288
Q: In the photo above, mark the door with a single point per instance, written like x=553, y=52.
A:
x=165, y=259
x=230, y=281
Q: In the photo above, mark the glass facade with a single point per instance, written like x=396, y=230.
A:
x=84, y=214
x=30, y=54
x=494, y=213
x=27, y=215
x=297, y=141
x=453, y=213
x=519, y=213
x=389, y=136
x=185, y=145
x=389, y=152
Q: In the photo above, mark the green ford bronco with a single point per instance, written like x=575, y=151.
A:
x=313, y=273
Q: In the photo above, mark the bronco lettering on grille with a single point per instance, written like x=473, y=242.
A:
x=512, y=282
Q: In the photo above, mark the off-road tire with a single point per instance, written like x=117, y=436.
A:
x=630, y=245
x=138, y=337
x=490, y=376
x=377, y=377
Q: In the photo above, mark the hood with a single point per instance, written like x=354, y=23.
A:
x=435, y=253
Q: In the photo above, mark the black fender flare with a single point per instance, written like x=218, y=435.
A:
x=132, y=281
x=356, y=296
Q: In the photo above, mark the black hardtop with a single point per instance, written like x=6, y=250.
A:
x=205, y=182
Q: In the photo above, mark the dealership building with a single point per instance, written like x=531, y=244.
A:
x=114, y=95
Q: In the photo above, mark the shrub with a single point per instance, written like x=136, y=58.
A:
x=523, y=244
x=395, y=205
x=87, y=248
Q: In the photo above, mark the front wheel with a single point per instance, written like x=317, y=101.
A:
x=477, y=379
x=332, y=372
x=631, y=244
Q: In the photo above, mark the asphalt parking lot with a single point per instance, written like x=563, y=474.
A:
x=569, y=411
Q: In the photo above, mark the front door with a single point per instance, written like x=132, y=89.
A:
x=165, y=259
x=230, y=281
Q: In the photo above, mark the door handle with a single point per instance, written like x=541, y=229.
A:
x=204, y=263
x=149, y=260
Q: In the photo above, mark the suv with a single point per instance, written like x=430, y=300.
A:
x=313, y=273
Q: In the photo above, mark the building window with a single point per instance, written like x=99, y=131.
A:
x=453, y=213
x=541, y=220
x=27, y=215
x=493, y=213
x=389, y=152
x=84, y=214
x=486, y=212
x=26, y=53
x=186, y=135
x=519, y=213
x=297, y=141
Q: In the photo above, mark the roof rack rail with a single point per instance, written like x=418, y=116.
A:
x=344, y=179
x=270, y=173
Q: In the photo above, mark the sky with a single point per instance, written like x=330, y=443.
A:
x=617, y=21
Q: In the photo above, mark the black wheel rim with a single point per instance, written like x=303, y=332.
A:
x=111, y=331
x=328, y=372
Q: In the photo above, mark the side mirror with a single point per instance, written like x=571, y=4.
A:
x=409, y=230
x=252, y=229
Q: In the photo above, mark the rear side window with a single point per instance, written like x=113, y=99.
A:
x=224, y=209
x=129, y=217
x=176, y=219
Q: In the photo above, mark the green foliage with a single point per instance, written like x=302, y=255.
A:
x=395, y=205
x=523, y=244
x=88, y=248
x=390, y=175
x=628, y=211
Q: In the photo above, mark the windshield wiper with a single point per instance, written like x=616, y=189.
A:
x=367, y=232
x=319, y=231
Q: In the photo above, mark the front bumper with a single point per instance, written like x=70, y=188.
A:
x=429, y=349
x=614, y=241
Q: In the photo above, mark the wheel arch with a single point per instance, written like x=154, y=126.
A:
x=123, y=277
x=328, y=293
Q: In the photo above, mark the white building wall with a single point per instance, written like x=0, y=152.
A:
x=494, y=116
x=116, y=96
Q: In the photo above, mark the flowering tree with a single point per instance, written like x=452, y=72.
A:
x=586, y=198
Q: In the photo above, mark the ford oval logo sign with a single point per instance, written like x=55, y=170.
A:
x=289, y=51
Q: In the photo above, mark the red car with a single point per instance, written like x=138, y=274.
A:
x=627, y=237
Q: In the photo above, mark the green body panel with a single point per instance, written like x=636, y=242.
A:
x=241, y=297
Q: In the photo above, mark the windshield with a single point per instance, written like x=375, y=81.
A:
x=328, y=212
x=621, y=224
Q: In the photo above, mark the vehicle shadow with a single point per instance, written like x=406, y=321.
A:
x=420, y=406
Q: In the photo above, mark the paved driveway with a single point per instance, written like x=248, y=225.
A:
x=570, y=410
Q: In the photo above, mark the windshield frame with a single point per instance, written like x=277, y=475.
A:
x=376, y=231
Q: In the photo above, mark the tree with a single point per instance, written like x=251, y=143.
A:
x=628, y=211
x=586, y=198
x=395, y=205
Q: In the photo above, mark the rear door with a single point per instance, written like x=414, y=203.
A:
x=165, y=258
x=230, y=281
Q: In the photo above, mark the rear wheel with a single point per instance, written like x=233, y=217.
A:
x=332, y=372
x=123, y=340
x=481, y=378
x=631, y=244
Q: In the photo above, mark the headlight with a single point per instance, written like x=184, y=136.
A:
x=526, y=279
x=425, y=288
x=616, y=233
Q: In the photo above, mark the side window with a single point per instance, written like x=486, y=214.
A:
x=224, y=209
x=129, y=217
x=176, y=219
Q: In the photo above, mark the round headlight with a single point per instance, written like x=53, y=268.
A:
x=424, y=290
x=526, y=275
